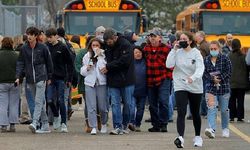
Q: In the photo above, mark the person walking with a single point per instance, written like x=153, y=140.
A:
x=239, y=82
x=95, y=85
x=158, y=81
x=120, y=78
x=35, y=62
x=187, y=75
x=218, y=69
x=9, y=90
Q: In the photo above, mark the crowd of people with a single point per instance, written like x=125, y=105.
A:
x=112, y=72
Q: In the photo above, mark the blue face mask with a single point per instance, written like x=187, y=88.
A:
x=214, y=53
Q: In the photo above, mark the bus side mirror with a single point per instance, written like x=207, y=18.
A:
x=145, y=23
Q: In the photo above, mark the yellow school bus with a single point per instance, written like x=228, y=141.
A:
x=82, y=17
x=217, y=18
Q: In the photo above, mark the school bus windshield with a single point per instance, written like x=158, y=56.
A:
x=83, y=23
x=219, y=23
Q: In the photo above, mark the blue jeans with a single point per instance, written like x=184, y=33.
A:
x=137, y=111
x=221, y=100
x=118, y=95
x=158, y=103
x=203, y=106
x=30, y=100
x=55, y=95
x=171, y=103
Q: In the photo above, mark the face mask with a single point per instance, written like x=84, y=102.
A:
x=214, y=53
x=183, y=44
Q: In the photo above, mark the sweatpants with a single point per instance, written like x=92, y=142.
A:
x=96, y=97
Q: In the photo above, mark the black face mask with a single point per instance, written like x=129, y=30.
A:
x=183, y=44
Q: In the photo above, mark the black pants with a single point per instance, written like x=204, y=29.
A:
x=236, y=103
x=182, y=98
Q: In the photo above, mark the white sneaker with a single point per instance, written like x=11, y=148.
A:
x=179, y=142
x=198, y=141
x=125, y=131
x=209, y=132
x=64, y=128
x=104, y=128
x=225, y=133
x=44, y=129
x=32, y=127
x=57, y=123
x=93, y=131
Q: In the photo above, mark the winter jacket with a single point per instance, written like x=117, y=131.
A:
x=141, y=78
x=8, y=58
x=120, y=64
x=35, y=62
x=93, y=75
x=63, y=65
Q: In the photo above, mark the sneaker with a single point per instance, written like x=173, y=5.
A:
x=179, y=142
x=57, y=123
x=131, y=127
x=125, y=131
x=32, y=127
x=225, y=133
x=154, y=129
x=44, y=129
x=137, y=129
x=209, y=132
x=64, y=128
x=93, y=131
x=198, y=141
x=12, y=128
x=3, y=129
x=116, y=131
x=164, y=129
x=104, y=128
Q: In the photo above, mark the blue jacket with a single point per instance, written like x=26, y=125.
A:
x=141, y=79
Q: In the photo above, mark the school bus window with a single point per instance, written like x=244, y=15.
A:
x=101, y=20
x=226, y=22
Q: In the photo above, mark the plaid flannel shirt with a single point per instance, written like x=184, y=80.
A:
x=223, y=69
x=156, y=64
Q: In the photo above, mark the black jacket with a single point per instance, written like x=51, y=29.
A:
x=35, y=63
x=63, y=65
x=120, y=64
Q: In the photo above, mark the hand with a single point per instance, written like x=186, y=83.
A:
x=216, y=80
x=189, y=80
x=17, y=82
x=176, y=46
x=89, y=67
x=104, y=70
x=48, y=82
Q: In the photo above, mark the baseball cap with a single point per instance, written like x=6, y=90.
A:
x=100, y=29
x=156, y=31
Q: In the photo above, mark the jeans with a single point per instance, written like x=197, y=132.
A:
x=55, y=95
x=221, y=100
x=9, y=103
x=137, y=111
x=125, y=94
x=158, y=103
x=30, y=100
x=38, y=94
x=171, y=104
x=203, y=107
